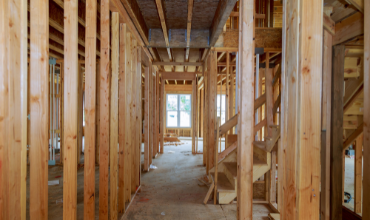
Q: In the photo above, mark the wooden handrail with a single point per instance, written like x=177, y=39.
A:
x=260, y=125
x=276, y=104
x=353, y=136
x=228, y=125
x=277, y=75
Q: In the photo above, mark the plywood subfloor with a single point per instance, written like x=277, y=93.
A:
x=172, y=192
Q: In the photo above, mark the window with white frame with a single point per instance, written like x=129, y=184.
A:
x=178, y=111
x=221, y=104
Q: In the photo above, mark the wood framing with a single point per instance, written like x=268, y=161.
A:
x=113, y=132
x=104, y=109
x=80, y=106
x=39, y=77
x=350, y=27
x=146, y=119
x=122, y=118
x=157, y=63
x=301, y=118
x=70, y=111
x=134, y=137
x=211, y=110
x=246, y=110
x=162, y=114
x=90, y=110
x=336, y=152
x=366, y=153
x=358, y=174
x=326, y=125
x=139, y=121
x=193, y=117
x=128, y=118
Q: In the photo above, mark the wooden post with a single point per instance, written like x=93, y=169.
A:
x=150, y=131
x=272, y=185
x=90, y=110
x=162, y=113
x=128, y=118
x=201, y=113
x=79, y=113
x=281, y=162
x=135, y=91
x=211, y=113
x=198, y=119
x=325, y=126
x=122, y=118
x=154, y=114
x=366, y=132
x=246, y=111
x=193, y=117
x=231, y=97
x=70, y=110
x=146, y=119
x=216, y=159
x=97, y=114
x=113, y=134
x=205, y=118
x=269, y=95
x=301, y=114
x=358, y=174
x=104, y=109
x=227, y=101
x=39, y=78
x=336, y=153
x=157, y=113
x=138, y=124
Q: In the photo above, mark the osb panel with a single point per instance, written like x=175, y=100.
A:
x=259, y=190
x=203, y=13
x=149, y=11
x=176, y=13
x=265, y=37
x=231, y=38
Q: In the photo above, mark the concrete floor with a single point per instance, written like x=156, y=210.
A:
x=172, y=192
x=169, y=192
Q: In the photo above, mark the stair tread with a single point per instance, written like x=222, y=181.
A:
x=232, y=167
x=223, y=183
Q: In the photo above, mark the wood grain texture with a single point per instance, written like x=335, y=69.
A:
x=193, y=113
x=128, y=121
x=326, y=125
x=122, y=118
x=301, y=124
x=113, y=132
x=104, y=110
x=139, y=120
x=70, y=111
x=162, y=114
x=211, y=111
x=349, y=28
x=90, y=110
x=246, y=111
x=80, y=107
x=366, y=153
x=336, y=155
x=269, y=96
x=358, y=174
x=134, y=141
x=146, y=119
x=13, y=143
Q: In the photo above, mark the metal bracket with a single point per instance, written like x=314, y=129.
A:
x=52, y=61
x=150, y=35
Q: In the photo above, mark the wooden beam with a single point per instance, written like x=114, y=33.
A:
x=163, y=24
x=337, y=131
x=353, y=136
x=359, y=4
x=122, y=118
x=349, y=28
x=329, y=24
x=198, y=39
x=80, y=106
x=301, y=118
x=358, y=174
x=139, y=121
x=157, y=63
x=128, y=117
x=104, y=109
x=222, y=13
x=39, y=77
x=366, y=153
x=176, y=76
x=156, y=113
x=325, y=125
x=246, y=111
x=70, y=111
x=162, y=114
x=269, y=96
x=134, y=140
x=211, y=100
x=193, y=117
x=146, y=119
x=113, y=132
x=90, y=110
